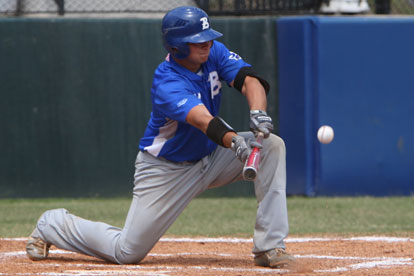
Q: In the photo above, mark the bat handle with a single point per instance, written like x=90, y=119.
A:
x=259, y=138
x=252, y=163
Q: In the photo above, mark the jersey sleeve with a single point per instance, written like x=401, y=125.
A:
x=228, y=62
x=174, y=100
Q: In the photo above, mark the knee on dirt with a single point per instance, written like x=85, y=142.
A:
x=130, y=258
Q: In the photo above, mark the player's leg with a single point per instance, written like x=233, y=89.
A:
x=270, y=188
x=162, y=190
x=69, y=232
x=272, y=217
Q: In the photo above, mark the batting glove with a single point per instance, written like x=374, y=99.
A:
x=240, y=147
x=260, y=122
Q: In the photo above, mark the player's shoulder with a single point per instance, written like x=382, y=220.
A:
x=164, y=67
x=166, y=72
x=167, y=79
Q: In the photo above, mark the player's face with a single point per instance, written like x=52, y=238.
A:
x=199, y=52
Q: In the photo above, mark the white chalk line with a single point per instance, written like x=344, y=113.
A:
x=288, y=240
x=311, y=256
x=365, y=265
x=93, y=273
x=291, y=240
x=58, y=251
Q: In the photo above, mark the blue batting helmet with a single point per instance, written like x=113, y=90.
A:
x=183, y=25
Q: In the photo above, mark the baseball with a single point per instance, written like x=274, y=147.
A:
x=325, y=134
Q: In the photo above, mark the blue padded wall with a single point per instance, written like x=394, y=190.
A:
x=355, y=74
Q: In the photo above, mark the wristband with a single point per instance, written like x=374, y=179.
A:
x=216, y=130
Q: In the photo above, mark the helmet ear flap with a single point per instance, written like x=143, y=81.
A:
x=180, y=51
x=175, y=52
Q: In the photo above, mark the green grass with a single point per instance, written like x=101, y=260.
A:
x=233, y=216
x=360, y=215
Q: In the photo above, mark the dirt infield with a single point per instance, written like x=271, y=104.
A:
x=227, y=256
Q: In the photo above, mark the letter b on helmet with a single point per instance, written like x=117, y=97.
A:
x=184, y=25
x=205, y=23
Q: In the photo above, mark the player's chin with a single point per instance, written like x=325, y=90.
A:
x=204, y=57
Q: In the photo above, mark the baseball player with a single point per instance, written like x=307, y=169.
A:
x=186, y=149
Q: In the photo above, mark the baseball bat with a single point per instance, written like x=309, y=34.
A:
x=252, y=163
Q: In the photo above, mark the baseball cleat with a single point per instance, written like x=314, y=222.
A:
x=275, y=258
x=37, y=249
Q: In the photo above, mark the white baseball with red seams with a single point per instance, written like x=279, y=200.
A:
x=325, y=134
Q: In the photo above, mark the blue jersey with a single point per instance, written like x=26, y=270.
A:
x=175, y=91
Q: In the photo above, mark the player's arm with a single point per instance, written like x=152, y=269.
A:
x=214, y=127
x=255, y=89
x=252, y=86
x=255, y=93
x=218, y=131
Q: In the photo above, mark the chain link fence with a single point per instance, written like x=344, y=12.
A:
x=286, y=7
x=213, y=7
x=259, y=7
x=21, y=7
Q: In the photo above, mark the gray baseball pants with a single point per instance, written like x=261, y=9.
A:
x=162, y=189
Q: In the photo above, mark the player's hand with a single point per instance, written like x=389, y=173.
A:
x=260, y=122
x=240, y=147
